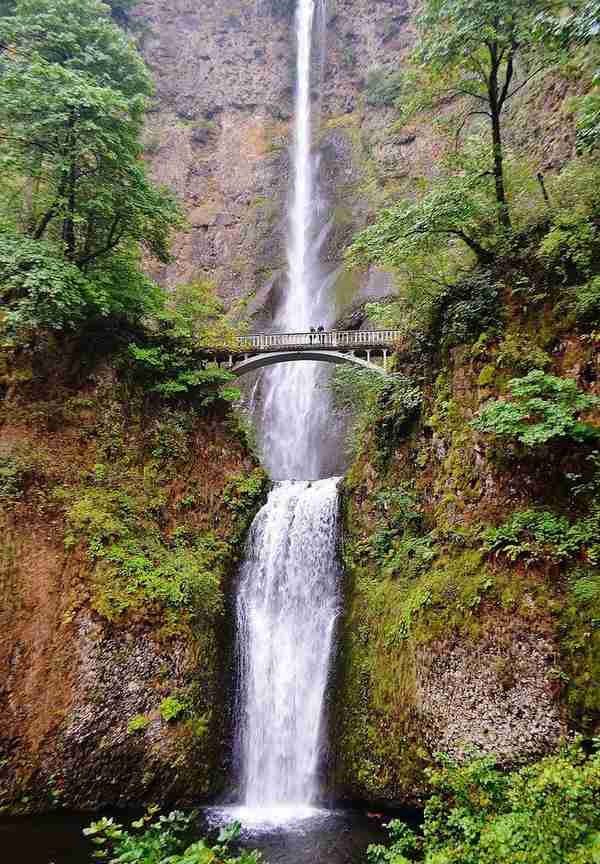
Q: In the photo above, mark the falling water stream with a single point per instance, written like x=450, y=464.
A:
x=288, y=597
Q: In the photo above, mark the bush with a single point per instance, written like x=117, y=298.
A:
x=171, y=708
x=163, y=840
x=138, y=724
x=13, y=475
x=538, y=535
x=520, y=353
x=546, y=813
x=465, y=310
x=384, y=88
x=572, y=244
x=543, y=409
x=399, y=404
x=587, y=302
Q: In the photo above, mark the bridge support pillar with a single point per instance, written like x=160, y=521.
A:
x=368, y=355
x=385, y=358
x=230, y=364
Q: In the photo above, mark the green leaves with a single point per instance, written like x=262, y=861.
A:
x=73, y=91
x=546, y=813
x=457, y=207
x=163, y=841
x=543, y=409
x=538, y=535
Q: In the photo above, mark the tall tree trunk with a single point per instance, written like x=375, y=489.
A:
x=503, y=213
x=69, y=221
x=496, y=105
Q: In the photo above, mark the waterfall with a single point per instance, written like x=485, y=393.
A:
x=288, y=597
x=296, y=410
x=287, y=607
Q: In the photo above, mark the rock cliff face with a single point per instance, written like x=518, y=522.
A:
x=121, y=525
x=219, y=135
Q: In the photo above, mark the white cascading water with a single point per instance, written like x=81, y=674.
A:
x=287, y=607
x=295, y=409
x=289, y=588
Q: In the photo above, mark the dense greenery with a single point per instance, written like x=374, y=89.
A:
x=163, y=840
x=77, y=204
x=547, y=813
x=78, y=209
x=543, y=408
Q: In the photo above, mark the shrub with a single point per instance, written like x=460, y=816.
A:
x=587, y=302
x=546, y=813
x=384, y=87
x=399, y=403
x=572, y=242
x=171, y=708
x=543, y=409
x=12, y=476
x=152, y=840
x=465, y=310
x=138, y=723
x=520, y=353
x=537, y=535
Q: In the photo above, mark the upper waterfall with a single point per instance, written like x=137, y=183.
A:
x=295, y=408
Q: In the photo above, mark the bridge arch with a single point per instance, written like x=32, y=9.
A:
x=258, y=361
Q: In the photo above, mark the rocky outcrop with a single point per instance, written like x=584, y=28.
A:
x=121, y=523
x=219, y=135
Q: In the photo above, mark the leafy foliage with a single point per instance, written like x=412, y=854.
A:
x=587, y=301
x=163, y=840
x=171, y=708
x=457, y=207
x=546, y=813
x=543, y=409
x=138, y=724
x=79, y=204
x=40, y=290
x=399, y=403
x=384, y=87
x=536, y=535
x=72, y=94
x=173, y=359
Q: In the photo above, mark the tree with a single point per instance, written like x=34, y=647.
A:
x=483, y=50
x=455, y=208
x=73, y=90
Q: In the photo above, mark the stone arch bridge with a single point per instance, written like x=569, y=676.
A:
x=359, y=347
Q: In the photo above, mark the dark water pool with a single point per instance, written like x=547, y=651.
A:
x=321, y=837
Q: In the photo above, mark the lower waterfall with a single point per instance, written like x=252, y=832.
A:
x=287, y=606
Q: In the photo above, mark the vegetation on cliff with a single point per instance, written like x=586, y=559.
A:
x=546, y=813
x=472, y=504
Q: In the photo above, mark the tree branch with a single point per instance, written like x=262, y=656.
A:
x=510, y=69
x=525, y=82
x=112, y=241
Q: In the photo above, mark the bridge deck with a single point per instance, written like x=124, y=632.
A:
x=334, y=340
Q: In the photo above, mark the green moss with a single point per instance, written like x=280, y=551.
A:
x=138, y=724
x=486, y=376
x=580, y=647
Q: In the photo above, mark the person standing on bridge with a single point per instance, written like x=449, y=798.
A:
x=313, y=333
x=321, y=332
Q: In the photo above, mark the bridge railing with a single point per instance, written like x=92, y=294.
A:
x=327, y=339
